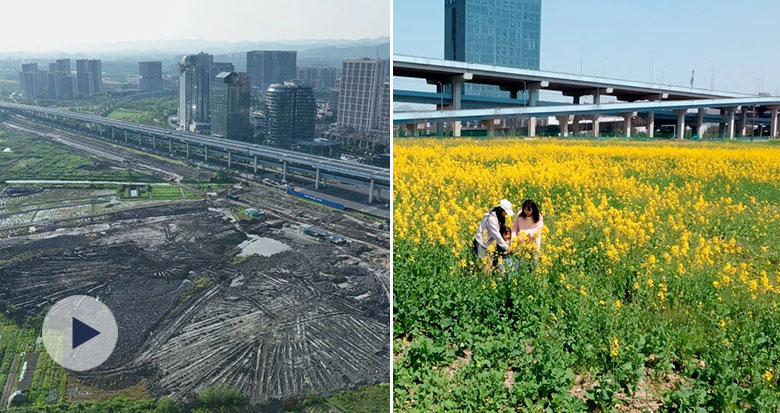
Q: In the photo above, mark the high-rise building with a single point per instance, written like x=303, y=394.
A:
x=30, y=80
x=151, y=76
x=291, y=113
x=383, y=119
x=219, y=67
x=495, y=32
x=360, y=93
x=319, y=77
x=61, y=84
x=266, y=67
x=89, y=77
x=230, y=106
x=194, y=89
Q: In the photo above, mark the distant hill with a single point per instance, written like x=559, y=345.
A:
x=178, y=47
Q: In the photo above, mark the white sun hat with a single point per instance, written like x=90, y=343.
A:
x=506, y=206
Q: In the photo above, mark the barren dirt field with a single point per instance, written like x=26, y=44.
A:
x=310, y=317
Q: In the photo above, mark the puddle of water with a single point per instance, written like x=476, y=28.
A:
x=262, y=246
x=226, y=213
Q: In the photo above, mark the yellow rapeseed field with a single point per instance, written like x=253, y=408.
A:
x=656, y=257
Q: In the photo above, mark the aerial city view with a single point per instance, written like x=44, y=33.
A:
x=194, y=207
x=585, y=206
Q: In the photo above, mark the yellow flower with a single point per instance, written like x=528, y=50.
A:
x=618, y=304
x=614, y=348
x=768, y=375
x=583, y=291
x=722, y=324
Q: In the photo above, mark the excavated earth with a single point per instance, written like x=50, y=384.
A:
x=314, y=318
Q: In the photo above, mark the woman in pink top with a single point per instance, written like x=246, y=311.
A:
x=529, y=221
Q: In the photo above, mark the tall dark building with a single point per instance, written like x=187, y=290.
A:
x=89, y=77
x=266, y=67
x=194, y=89
x=230, y=106
x=30, y=80
x=495, y=32
x=292, y=113
x=61, y=84
x=151, y=76
x=219, y=67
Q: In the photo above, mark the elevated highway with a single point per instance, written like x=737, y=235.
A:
x=233, y=153
x=633, y=98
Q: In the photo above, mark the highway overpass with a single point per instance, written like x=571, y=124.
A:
x=564, y=113
x=453, y=106
x=154, y=138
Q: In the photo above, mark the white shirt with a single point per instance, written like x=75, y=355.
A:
x=489, y=232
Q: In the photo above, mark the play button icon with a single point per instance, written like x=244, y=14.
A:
x=79, y=333
x=82, y=333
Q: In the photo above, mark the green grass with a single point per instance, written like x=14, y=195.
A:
x=369, y=399
x=129, y=115
x=32, y=158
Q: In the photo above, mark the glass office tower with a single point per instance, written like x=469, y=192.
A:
x=494, y=32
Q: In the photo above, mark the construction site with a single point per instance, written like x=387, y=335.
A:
x=209, y=282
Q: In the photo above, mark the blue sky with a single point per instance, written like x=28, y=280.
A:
x=634, y=39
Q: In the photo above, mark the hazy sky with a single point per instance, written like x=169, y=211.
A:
x=634, y=39
x=48, y=25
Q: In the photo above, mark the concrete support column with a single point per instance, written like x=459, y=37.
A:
x=371, y=191
x=575, y=126
x=627, y=117
x=457, y=91
x=743, y=122
x=440, y=124
x=317, y=179
x=564, y=122
x=154, y=142
x=700, y=123
x=773, y=122
x=284, y=171
x=205, y=154
x=112, y=133
x=596, y=123
x=490, y=125
x=187, y=155
x=730, y=122
x=255, y=164
x=533, y=97
x=125, y=137
x=680, y=123
x=650, y=124
x=170, y=146
x=230, y=159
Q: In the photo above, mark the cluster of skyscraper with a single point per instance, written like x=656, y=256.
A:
x=59, y=82
x=215, y=99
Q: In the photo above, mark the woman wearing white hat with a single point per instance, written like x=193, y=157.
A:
x=489, y=231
